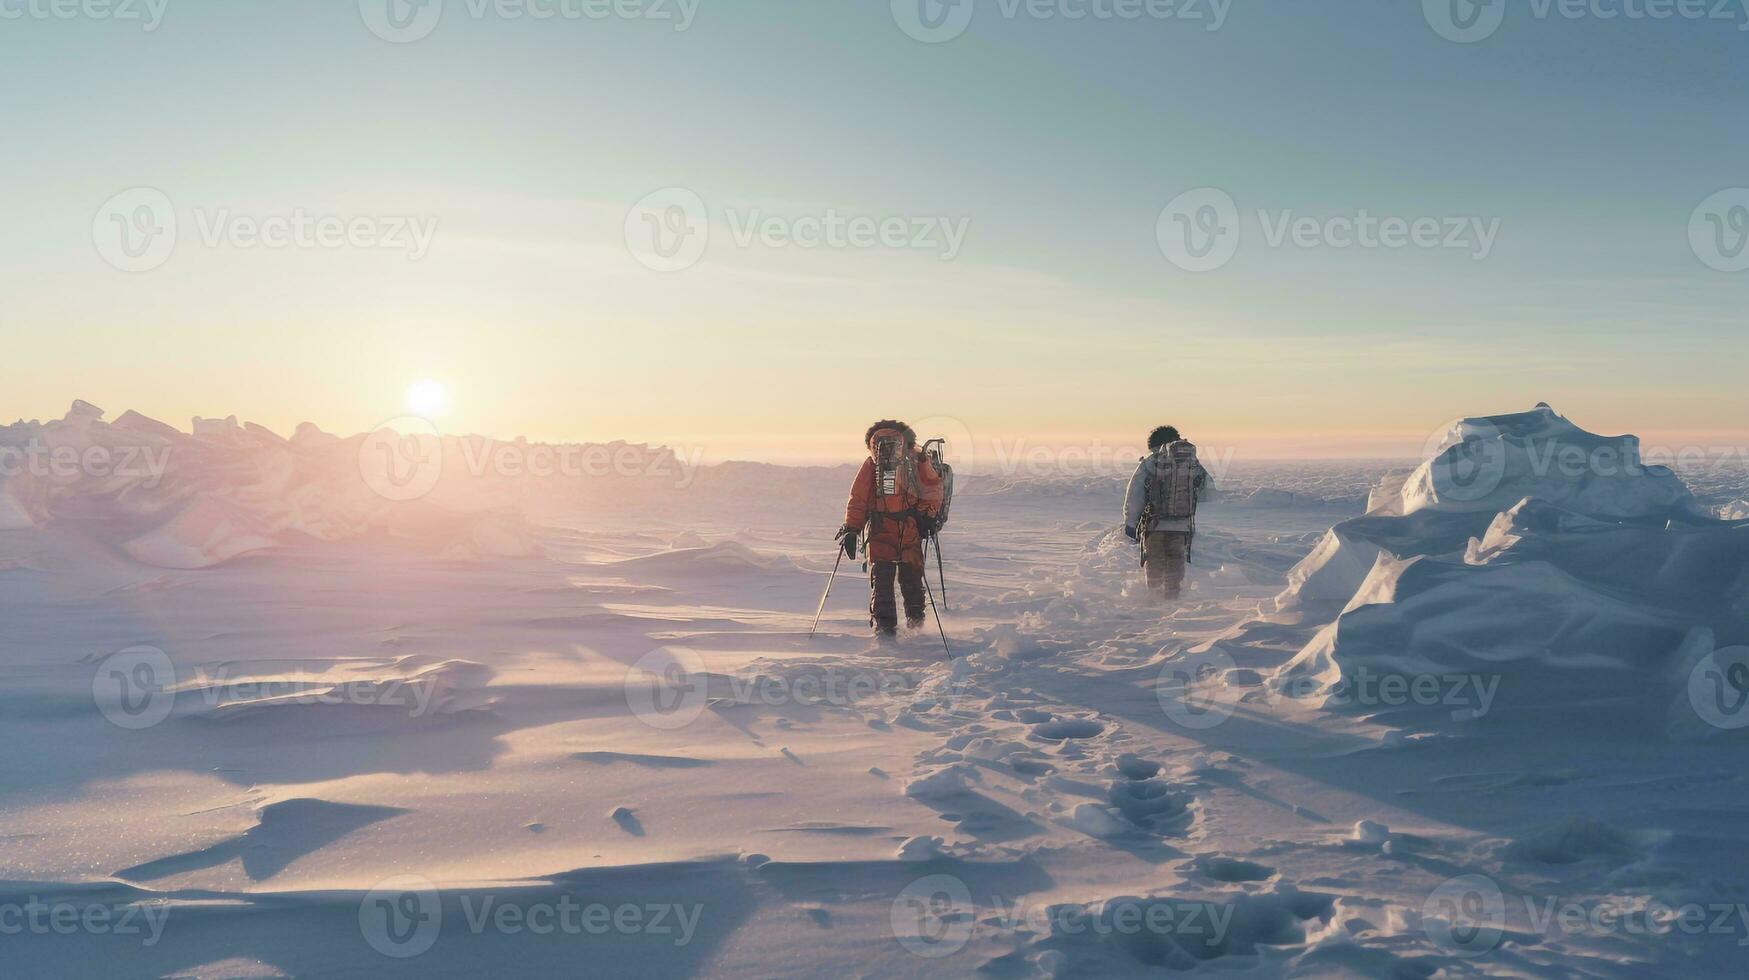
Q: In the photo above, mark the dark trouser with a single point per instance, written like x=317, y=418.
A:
x=881, y=609
x=1168, y=553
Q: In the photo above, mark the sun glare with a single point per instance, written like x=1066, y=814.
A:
x=427, y=399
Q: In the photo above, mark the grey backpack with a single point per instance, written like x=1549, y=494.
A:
x=1177, y=476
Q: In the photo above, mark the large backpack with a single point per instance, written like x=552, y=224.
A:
x=1172, y=491
x=933, y=449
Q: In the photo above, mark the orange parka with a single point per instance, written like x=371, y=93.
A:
x=892, y=533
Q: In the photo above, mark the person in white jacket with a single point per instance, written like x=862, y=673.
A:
x=1165, y=540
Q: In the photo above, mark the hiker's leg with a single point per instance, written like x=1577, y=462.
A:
x=1176, y=548
x=881, y=611
x=911, y=585
x=1155, y=547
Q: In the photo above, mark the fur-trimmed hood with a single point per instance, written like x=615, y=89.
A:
x=891, y=425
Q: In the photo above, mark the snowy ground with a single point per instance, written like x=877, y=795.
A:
x=621, y=755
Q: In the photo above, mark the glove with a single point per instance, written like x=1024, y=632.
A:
x=1129, y=531
x=847, y=540
x=926, y=525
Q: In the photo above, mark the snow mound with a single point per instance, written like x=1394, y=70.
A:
x=1527, y=565
x=1489, y=464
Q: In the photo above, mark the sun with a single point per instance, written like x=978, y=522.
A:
x=427, y=399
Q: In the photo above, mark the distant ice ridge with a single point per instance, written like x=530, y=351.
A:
x=224, y=489
x=1547, y=563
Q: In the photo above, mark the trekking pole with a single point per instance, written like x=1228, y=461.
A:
x=927, y=591
x=826, y=593
x=940, y=573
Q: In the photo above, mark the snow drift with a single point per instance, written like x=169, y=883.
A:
x=1546, y=562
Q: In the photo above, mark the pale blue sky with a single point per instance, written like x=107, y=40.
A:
x=1591, y=142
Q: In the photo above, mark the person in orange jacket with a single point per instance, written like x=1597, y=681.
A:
x=897, y=495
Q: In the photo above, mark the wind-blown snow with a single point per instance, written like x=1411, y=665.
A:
x=358, y=689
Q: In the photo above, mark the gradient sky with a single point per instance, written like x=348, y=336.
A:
x=1059, y=322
